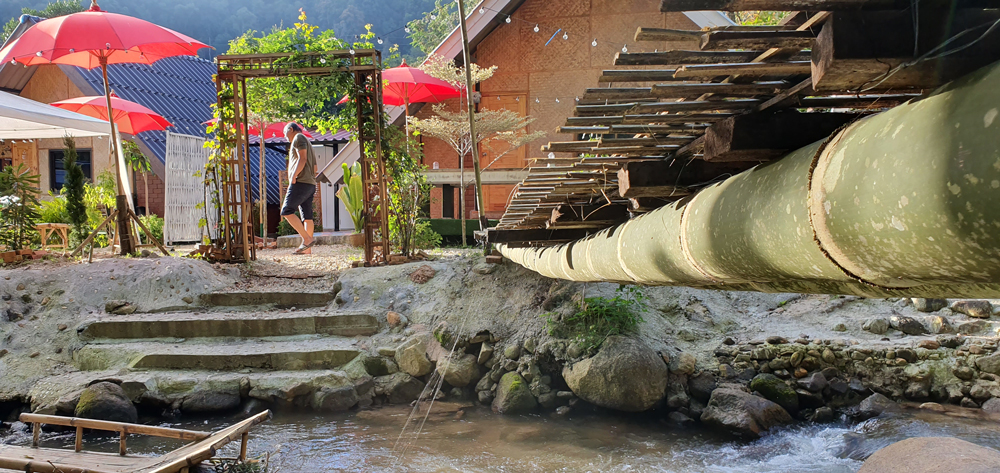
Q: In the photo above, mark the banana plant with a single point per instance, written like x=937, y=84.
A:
x=352, y=195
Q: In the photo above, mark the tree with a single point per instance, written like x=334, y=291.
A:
x=52, y=10
x=427, y=32
x=73, y=189
x=453, y=127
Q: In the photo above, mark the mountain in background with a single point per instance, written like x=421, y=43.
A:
x=217, y=21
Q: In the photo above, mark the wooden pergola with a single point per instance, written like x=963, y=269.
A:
x=235, y=243
x=732, y=98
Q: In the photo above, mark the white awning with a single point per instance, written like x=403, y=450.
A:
x=25, y=119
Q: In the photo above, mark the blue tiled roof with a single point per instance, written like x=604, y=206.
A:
x=181, y=89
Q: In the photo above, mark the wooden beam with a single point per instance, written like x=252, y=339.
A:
x=567, y=213
x=639, y=75
x=691, y=148
x=680, y=58
x=719, y=89
x=617, y=92
x=815, y=5
x=860, y=51
x=671, y=178
x=788, y=96
x=633, y=129
x=646, y=119
x=664, y=34
x=754, y=69
x=725, y=40
x=666, y=107
x=494, y=235
x=765, y=136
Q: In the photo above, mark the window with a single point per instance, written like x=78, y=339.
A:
x=57, y=174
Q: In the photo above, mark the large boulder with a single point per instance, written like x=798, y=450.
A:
x=106, y=401
x=907, y=325
x=335, y=399
x=459, y=371
x=989, y=364
x=875, y=405
x=777, y=390
x=743, y=413
x=977, y=309
x=929, y=305
x=411, y=356
x=513, y=395
x=399, y=388
x=702, y=385
x=932, y=455
x=625, y=375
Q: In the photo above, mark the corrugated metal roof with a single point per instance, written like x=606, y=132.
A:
x=13, y=77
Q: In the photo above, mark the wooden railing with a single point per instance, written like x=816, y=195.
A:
x=122, y=428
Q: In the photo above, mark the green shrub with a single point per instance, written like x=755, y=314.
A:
x=424, y=237
x=54, y=211
x=18, y=207
x=597, y=318
x=155, y=225
x=74, y=190
x=285, y=228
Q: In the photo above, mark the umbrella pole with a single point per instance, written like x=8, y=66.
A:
x=121, y=202
x=262, y=192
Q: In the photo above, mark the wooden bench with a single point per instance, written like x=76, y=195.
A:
x=46, y=230
x=50, y=460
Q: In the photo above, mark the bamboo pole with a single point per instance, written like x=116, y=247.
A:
x=472, y=129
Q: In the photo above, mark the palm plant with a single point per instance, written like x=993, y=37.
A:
x=352, y=195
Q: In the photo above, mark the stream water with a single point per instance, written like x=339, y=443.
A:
x=482, y=441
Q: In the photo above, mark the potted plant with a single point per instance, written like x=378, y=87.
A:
x=352, y=195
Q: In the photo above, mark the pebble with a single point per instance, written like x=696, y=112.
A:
x=62, y=327
x=729, y=341
x=776, y=340
x=800, y=373
x=929, y=344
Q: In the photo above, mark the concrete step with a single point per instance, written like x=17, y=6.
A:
x=314, y=353
x=281, y=300
x=228, y=325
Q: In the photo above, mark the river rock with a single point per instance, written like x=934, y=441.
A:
x=212, y=400
x=929, y=305
x=701, y=386
x=989, y=364
x=399, y=388
x=775, y=389
x=932, y=455
x=815, y=382
x=992, y=406
x=877, y=325
x=977, y=309
x=677, y=391
x=334, y=399
x=907, y=325
x=106, y=401
x=485, y=353
x=875, y=405
x=411, y=356
x=683, y=364
x=459, y=371
x=742, y=413
x=513, y=395
x=972, y=327
x=624, y=375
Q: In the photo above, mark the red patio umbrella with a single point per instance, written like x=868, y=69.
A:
x=97, y=38
x=273, y=130
x=130, y=117
x=405, y=85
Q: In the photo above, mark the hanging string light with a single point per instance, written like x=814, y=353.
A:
x=594, y=44
x=565, y=36
x=508, y=19
x=536, y=28
x=625, y=48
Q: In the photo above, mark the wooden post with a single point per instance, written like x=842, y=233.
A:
x=121, y=444
x=243, y=446
x=36, y=432
x=79, y=439
x=472, y=127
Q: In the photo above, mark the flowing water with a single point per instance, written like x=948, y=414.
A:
x=477, y=440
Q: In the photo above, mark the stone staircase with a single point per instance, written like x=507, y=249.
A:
x=240, y=346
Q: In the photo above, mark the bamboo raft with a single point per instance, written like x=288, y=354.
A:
x=203, y=446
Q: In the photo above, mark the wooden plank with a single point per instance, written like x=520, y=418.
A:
x=861, y=51
x=494, y=235
x=603, y=93
x=788, y=96
x=719, y=89
x=681, y=57
x=187, y=435
x=815, y=5
x=666, y=107
x=725, y=40
x=753, y=69
x=664, y=34
x=673, y=177
x=633, y=129
x=765, y=136
x=628, y=75
x=691, y=148
x=565, y=213
x=588, y=224
x=874, y=101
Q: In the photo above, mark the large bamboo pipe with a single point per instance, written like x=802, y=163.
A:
x=903, y=203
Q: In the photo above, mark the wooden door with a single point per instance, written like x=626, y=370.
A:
x=26, y=154
x=495, y=198
x=513, y=159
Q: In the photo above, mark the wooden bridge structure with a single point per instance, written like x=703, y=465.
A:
x=203, y=446
x=669, y=123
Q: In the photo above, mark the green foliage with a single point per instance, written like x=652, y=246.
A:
x=424, y=237
x=18, y=207
x=53, y=9
x=427, y=32
x=54, y=210
x=155, y=225
x=352, y=195
x=758, y=17
x=285, y=228
x=73, y=189
x=134, y=158
x=597, y=318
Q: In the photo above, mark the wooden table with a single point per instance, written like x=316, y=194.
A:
x=46, y=230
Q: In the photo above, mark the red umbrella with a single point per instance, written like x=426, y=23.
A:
x=130, y=117
x=273, y=130
x=97, y=38
x=405, y=85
